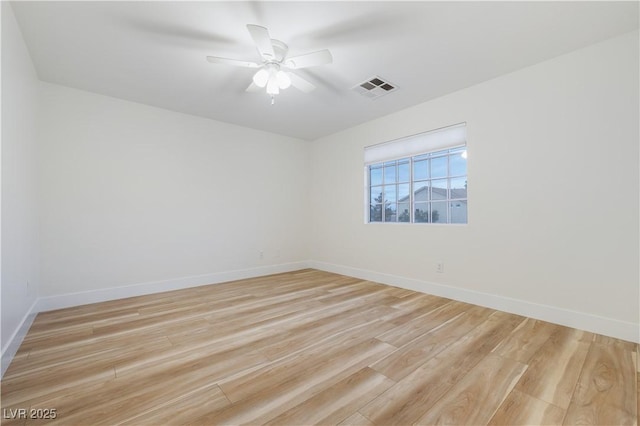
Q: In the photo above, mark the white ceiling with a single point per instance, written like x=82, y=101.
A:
x=154, y=52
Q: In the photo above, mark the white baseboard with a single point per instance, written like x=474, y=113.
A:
x=10, y=349
x=610, y=327
x=61, y=301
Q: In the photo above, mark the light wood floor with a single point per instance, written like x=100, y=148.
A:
x=312, y=347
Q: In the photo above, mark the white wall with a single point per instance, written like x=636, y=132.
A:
x=553, y=194
x=20, y=244
x=133, y=194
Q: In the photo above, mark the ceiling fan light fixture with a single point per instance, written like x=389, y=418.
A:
x=283, y=80
x=272, y=86
x=261, y=78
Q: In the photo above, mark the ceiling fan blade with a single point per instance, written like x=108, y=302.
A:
x=300, y=83
x=254, y=88
x=234, y=62
x=262, y=40
x=320, y=57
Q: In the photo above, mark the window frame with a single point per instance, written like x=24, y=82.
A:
x=448, y=153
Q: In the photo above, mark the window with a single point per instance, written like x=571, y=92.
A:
x=427, y=186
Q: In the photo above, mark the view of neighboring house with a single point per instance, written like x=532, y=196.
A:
x=427, y=209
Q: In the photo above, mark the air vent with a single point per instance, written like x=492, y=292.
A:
x=374, y=87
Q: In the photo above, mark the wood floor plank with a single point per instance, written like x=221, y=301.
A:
x=554, y=370
x=300, y=363
x=337, y=402
x=37, y=342
x=283, y=394
x=525, y=340
x=355, y=294
x=136, y=393
x=418, y=351
x=604, y=394
x=606, y=340
x=20, y=390
x=185, y=409
x=474, y=399
x=165, y=360
x=412, y=397
x=66, y=324
x=408, y=331
x=521, y=409
x=308, y=334
x=400, y=292
x=420, y=301
x=356, y=419
x=313, y=347
x=99, y=353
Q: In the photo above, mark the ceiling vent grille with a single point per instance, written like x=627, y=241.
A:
x=374, y=87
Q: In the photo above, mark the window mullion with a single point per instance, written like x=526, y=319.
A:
x=411, y=207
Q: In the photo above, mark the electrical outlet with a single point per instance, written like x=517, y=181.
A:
x=440, y=267
x=261, y=254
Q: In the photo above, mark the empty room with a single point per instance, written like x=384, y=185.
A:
x=320, y=212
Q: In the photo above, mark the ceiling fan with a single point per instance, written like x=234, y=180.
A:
x=274, y=71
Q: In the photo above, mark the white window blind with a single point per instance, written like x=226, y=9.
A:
x=435, y=140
